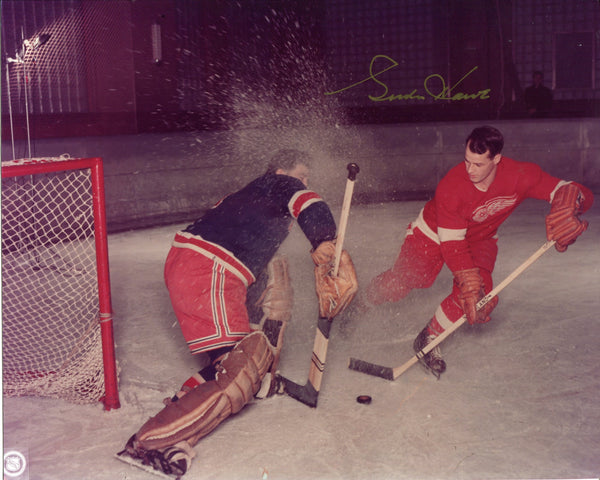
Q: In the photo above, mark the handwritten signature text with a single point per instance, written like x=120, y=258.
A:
x=434, y=86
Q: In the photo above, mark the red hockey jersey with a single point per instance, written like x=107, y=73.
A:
x=460, y=214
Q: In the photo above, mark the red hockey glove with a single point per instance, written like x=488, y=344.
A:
x=562, y=223
x=483, y=314
x=471, y=288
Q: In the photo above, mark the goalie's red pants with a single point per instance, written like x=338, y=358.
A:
x=417, y=266
x=208, y=295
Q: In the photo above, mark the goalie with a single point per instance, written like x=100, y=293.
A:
x=208, y=271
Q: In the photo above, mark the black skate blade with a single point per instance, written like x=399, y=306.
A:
x=135, y=462
x=371, y=369
x=436, y=372
x=429, y=369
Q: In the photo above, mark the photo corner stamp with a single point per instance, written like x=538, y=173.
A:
x=16, y=464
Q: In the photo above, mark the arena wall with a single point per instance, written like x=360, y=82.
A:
x=154, y=179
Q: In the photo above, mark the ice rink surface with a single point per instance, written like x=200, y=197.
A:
x=520, y=398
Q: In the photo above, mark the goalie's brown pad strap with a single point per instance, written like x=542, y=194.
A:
x=199, y=412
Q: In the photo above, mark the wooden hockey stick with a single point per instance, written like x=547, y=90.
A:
x=309, y=393
x=392, y=373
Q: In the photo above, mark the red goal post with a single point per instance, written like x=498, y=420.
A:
x=57, y=338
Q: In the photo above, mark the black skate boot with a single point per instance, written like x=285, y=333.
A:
x=433, y=360
x=172, y=462
x=175, y=460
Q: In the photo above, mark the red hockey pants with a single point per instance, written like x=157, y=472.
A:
x=417, y=266
x=209, y=301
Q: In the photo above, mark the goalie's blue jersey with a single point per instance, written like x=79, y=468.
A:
x=252, y=223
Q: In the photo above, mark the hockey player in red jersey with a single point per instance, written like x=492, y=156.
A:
x=459, y=227
x=208, y=271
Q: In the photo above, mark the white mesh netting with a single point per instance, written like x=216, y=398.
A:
x=51, y=336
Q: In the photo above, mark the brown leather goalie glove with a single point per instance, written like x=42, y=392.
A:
x=278, y=298
x=562, y=223
x=471, y=287
x=334, y=293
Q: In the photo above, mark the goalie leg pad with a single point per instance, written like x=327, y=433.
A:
x=199, y=412
x=241, y=372
x=277, y=298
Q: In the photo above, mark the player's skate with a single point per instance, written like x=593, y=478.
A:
x=433, y=360
x=172, y=462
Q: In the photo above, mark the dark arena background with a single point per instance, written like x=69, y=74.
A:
x=178, y=96
x=185, y=101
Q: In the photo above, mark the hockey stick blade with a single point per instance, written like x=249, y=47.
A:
x=371, y=368
x=307, y=394
x=390, y=373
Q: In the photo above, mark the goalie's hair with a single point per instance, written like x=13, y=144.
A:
x=287, y=159
x=484, y=139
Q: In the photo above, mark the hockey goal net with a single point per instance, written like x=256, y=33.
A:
x=57, y=332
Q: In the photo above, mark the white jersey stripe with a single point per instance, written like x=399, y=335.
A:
x=422, y=225
x=452, y=234
x=442, y=319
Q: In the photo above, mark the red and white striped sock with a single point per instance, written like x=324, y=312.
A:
x=191, y=383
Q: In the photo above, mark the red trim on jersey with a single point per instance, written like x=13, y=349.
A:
x=197, y=243
x=301, y=200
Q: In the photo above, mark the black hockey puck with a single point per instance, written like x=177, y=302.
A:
x=364, y=399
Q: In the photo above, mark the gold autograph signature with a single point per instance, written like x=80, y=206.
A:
x=429, y=84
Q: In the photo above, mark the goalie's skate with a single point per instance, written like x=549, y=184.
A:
x=273, y=330
x=170, y=463
x=269, y=303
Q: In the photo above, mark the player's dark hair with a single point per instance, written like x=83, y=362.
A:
x=287, y=159
x=484, y=139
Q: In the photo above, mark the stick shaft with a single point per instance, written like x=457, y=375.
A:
x=343, y=224
x=319, y=353
x=309, y=393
